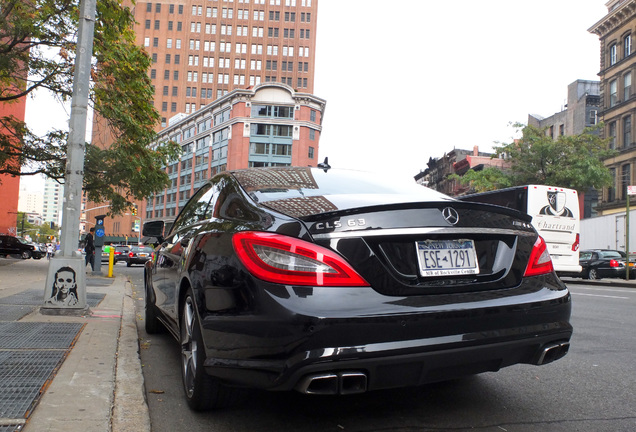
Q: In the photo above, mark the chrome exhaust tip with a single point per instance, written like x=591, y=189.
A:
x=553, y=352
x=324, y=384
x=344, y=383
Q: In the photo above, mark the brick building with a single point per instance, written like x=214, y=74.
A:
x=204, y=50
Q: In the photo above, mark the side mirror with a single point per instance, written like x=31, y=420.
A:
x=153, y=229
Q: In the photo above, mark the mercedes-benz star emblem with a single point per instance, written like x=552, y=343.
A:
x=450, y=215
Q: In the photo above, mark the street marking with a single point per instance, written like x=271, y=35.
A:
x=599, y=295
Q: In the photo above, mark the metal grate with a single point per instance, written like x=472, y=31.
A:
x=14, y=312
x=38, y=335
x=32, y=297
x=11, y=428
x=23, y=374
x=36, y=298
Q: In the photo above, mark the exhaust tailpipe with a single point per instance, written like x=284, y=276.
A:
x=343, y=383
x=553, y=352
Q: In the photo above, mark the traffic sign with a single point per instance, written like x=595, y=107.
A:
x=99, y=232
x=631, y=190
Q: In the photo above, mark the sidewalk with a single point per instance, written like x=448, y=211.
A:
x=99, y=384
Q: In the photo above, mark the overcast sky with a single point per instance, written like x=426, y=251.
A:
x=431, y=76
x=436, y=75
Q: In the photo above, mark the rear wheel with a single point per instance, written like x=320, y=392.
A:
x=26, y=255
x=592, y=274
x=203, y=392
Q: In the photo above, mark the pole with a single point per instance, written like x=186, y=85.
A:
x=627, y=237
x=58, y=297
x=71, y=207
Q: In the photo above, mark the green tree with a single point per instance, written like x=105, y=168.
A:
x=37, y=51
x=574, y=161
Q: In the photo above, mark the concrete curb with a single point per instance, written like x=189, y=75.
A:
x=130, y=411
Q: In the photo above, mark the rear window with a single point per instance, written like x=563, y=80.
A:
x=611, y=255
x=303, y=191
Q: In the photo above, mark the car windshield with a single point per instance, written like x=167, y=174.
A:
x=23, y=241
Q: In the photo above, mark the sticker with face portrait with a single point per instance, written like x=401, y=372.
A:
x=64, y=290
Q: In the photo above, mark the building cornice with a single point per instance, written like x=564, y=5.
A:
x=614, y=19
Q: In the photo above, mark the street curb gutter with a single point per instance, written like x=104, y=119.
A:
x=130, y=409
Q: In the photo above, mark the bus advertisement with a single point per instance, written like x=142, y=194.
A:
x=555, y=215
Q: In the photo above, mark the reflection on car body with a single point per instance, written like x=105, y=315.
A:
x=269, y=279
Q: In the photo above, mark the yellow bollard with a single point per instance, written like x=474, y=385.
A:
x=111, y=261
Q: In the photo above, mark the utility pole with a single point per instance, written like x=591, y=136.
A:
x=69, y=261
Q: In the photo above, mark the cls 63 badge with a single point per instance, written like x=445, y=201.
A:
x=332, y=225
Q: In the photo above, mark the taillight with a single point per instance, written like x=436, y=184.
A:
x=576, y=244
x=614, y=263
x=291, y=261
x=130, y=254
x=540, y=261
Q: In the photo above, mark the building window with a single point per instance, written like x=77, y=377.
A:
x=612, y=135
x=611, y=191
x=627, y=86
x=310, y=153
x=627, y=132
x=561, y=130
x=593, y=117
x=613, y=93
x=312, y=134
x=158, y=8
x=627, y=45
x=612, y=54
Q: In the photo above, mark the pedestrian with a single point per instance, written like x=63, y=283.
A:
x=89, y=249
x=49, y=251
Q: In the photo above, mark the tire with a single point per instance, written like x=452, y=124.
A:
x=592, y=274
x=152, y=323
x=128, y=264
x=25, y=255
x=202, y=391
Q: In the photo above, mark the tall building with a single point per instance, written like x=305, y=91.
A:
x=581, y=111
x=202, y=49
x=10, y=185
x=213, y=61
x=616, y=32
x=52, y=201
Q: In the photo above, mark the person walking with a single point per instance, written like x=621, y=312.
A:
x=89, y=248
x=49, y=251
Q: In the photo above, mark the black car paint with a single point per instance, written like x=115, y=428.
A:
x=403, y=330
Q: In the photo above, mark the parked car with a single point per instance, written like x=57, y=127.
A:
x=10, y=245
x=338, y=282
x=121, y=253
x=139, y=255
x=603, y=263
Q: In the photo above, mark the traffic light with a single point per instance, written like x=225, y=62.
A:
x=134, y=210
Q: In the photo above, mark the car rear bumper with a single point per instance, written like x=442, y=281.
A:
x=400, y=343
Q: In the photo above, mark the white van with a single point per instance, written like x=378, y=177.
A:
x=555, y=215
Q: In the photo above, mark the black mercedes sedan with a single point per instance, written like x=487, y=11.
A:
x=334, y=282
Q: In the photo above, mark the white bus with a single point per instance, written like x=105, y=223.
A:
x=555, y=215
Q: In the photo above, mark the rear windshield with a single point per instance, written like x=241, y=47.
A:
x=610, y=254
x=303, y=191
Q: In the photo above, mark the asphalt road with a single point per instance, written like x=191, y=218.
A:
x=592, y=389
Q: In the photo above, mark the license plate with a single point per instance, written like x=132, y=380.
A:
x=143, y=254
x=447, y=257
